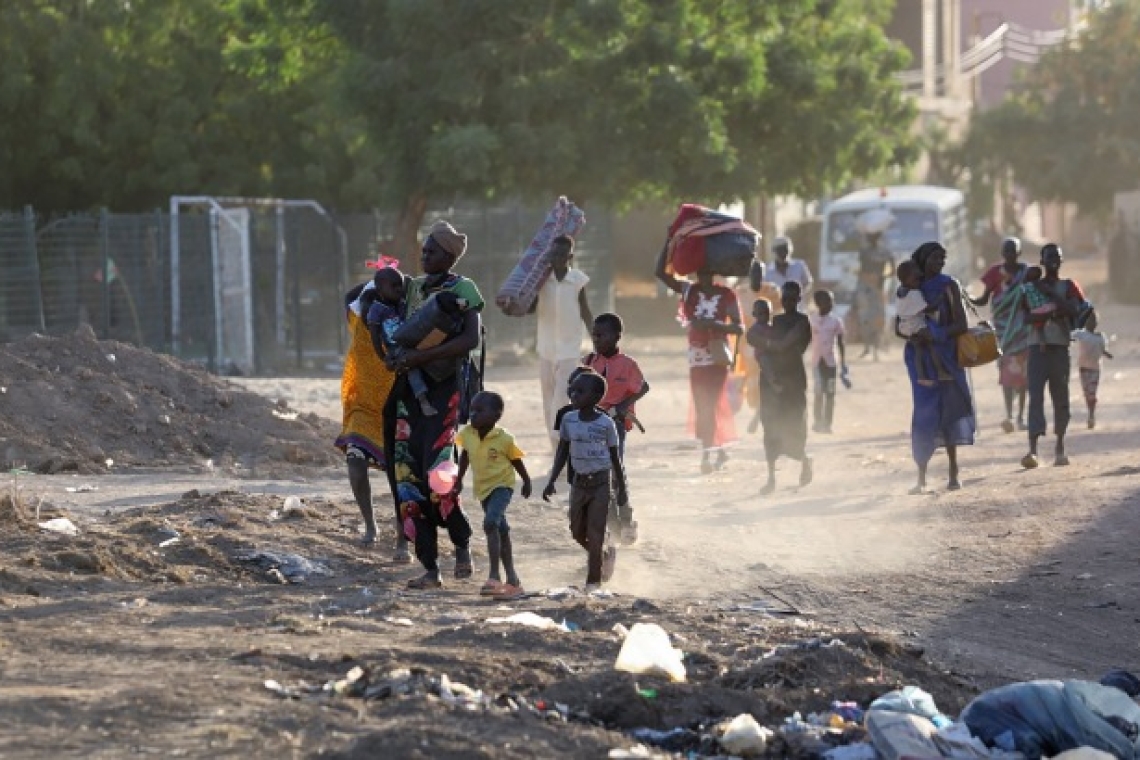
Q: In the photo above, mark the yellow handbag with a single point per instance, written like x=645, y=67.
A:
x=978, y=346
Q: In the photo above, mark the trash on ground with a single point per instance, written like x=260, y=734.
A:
x=1039, y=717
x=744, y=736
x=294, y=567
x=401, y=621
x=913, y=700
x=286, y=414
x=648, y=651
x=531, y=620
x=169, y=542
x=60, y=525
x=85, y=488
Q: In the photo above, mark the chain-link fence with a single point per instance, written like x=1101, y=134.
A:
x=252, y=287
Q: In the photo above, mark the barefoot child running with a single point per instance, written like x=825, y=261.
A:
x=492, y=454
x=826, y=336
x=625, y=385
x=589, y=441
x=1091, y=346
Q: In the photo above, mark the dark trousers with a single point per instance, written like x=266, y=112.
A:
x=427, y=536
x=824, y=394
x=1048, y=365
x=590, y=499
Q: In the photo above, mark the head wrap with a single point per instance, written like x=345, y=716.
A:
x=924, y=252
x=448, y=238
x=1011, y=244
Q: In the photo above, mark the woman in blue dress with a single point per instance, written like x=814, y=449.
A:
x=943, y=413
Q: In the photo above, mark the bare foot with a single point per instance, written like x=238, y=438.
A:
x=1007, y=426
x=806, y=472
x=768, y=488
x=917, y=490
x=954, y=484
x=369, y=537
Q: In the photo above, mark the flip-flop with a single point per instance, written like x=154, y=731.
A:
x=509, y=593
x=492, y=588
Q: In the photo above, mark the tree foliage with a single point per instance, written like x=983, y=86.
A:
x=617, y=100
x=402, y=103
x=1070, y=132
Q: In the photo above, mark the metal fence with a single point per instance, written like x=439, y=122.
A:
x=133, y=280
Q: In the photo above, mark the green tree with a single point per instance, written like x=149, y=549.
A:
x=121, y=104
x=617, y=100
x=1069, y=134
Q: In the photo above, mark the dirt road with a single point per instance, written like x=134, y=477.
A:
x=110, y=643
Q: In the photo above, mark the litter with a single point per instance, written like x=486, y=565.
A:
x=647, y=651
x=85, y=488
x=913, y=700
x=531, y=620
x=293, y=567
x=60, y=525
x=402, y=621
x=744, y=736
x=169, y=542
x=287, y=414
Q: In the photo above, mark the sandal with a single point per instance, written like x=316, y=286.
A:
x=509, y=593
x=463, y=565
x=492, y=588
x=426, y=581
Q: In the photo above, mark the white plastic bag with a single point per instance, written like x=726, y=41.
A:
x=744, y=736
x=530, y=620
x=647, y=651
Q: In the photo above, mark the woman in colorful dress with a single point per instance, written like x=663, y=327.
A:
x=364, y=388
x=1001, y=281
x=415, y=443
x=711, y=313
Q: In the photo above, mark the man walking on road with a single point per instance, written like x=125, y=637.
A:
x=1049, y=363
x=562, y=313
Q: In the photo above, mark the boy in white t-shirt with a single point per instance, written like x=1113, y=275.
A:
x=1091, y=346
x=826, y=336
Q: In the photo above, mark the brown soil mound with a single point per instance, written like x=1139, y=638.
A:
x=71, y=403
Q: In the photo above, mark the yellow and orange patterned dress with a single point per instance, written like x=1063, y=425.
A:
x=364, y=389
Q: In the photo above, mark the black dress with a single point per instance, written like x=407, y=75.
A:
x=783, y=391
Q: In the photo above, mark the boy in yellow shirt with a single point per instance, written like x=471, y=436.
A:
x=492, y=454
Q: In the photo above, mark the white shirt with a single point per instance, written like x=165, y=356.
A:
x=825, y=329
x=911, y=311
x=1090, y=348
x=560, y=324
x=797, y=272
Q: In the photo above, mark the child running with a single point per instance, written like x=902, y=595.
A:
x=760, y=330
x=1091, y=346
x=566, y=409
x=492, y=454
x=912, y=309
x=589, y=441
x=385, y=317
x=826, y=336
x=625, y=386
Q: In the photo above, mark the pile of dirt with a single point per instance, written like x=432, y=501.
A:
x=197, y=539
x=75, y=403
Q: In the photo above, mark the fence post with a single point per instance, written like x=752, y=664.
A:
x=105, y=255
x=34, y=262
x=215, y=291
x=294, y=254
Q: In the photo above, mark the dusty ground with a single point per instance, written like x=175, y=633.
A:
x=113, y=645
